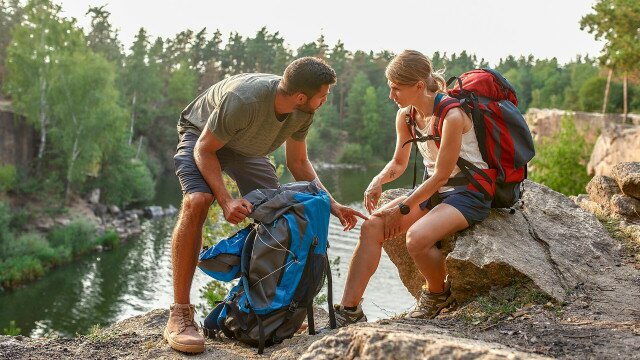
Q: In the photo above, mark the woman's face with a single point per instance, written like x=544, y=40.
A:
x=402, y=95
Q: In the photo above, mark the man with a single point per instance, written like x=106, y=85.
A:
x=232, y=127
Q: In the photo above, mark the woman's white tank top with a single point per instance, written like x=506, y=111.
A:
x=468, y=151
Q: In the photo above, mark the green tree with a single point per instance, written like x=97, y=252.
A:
x=142, y=85
x=616, y=22
x=84, y=103
x=102, y=37
x=548, y=81
x=42, y=36
x=10, y=14
x=355, y=104
x=590, y=95
x=233, y=58
x=578, y=73
x=373, y=133
x=182, y=86
x=338, y=59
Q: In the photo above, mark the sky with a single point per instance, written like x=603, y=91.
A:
x=491, y=29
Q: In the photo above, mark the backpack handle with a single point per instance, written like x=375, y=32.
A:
x=450, y=81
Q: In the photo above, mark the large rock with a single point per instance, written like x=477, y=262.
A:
x=627, y=175
x=625, y=205
x=601, y=189
x=616, y=144
x=375, y=341
x=549, y=241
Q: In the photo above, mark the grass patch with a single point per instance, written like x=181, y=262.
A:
x=12, y=330
x=99, y=334
x=502, y=303
x=624, y=235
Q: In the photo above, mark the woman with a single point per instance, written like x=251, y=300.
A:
x=416, y=88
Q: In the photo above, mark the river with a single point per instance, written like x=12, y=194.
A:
x=103, y=288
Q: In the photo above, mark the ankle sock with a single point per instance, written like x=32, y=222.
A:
x=351, y=308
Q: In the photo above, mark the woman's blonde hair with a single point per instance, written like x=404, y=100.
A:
x=411, y=66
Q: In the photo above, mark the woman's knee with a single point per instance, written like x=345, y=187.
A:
x=418, y=241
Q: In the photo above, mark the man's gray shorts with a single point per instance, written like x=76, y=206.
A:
x=249, y=173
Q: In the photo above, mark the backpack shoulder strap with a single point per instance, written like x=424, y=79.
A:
x=410, y=120
x=441, y=110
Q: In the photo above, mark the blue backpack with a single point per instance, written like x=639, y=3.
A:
x=281, y=262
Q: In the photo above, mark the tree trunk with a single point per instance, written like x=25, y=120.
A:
x=75, y=152
x=139, y=146
x=625, y=110
x=43, y=118
x=133, y=116
x=606, y=92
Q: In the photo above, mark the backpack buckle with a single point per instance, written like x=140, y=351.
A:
x=293, y=306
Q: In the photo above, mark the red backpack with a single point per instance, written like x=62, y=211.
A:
x=503, y=135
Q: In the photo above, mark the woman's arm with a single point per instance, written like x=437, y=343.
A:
x=395, y=167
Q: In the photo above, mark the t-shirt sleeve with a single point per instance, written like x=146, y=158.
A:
x=228, y=118
x=301, y=133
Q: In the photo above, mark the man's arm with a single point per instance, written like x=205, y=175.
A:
x=235, y=210
x=300, y=167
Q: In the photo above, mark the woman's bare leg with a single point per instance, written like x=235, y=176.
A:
x=421, y=237
x=366, y=256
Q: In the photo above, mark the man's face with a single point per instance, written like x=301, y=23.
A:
x=313, y=103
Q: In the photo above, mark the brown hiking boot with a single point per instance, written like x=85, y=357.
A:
x=429, y=305
x=346, y=317
x=182, y=332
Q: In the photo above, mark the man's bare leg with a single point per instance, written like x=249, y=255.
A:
x=181, y=332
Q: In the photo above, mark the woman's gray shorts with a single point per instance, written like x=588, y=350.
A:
x=249, y=173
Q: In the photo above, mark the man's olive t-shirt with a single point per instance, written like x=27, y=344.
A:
x=240, y=112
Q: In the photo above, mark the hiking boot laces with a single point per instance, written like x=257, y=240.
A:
x=185, y=318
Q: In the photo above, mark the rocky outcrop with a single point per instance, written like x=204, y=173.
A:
x=627, y=176
x=546, y=122
x=616, y=144
x=18, y=138
x=616, y=197
x=403, y=341
x=548, y=241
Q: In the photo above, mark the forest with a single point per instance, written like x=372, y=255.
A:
x=106, y=112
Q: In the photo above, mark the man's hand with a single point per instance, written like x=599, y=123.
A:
x=392, y=218
x=346, y=215
x=236, y=210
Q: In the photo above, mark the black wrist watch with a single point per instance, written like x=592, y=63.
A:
x=404, y=209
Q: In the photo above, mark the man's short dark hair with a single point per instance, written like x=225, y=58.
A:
x=307, y=75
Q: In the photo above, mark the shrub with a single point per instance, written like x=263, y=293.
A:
x=560, y=162
x=6, y=236
x=356, y=154
x=31, y=244
x=7, y=177
x=78, y=236
x=109, y=239
x=213, y=293
x=19, y=269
